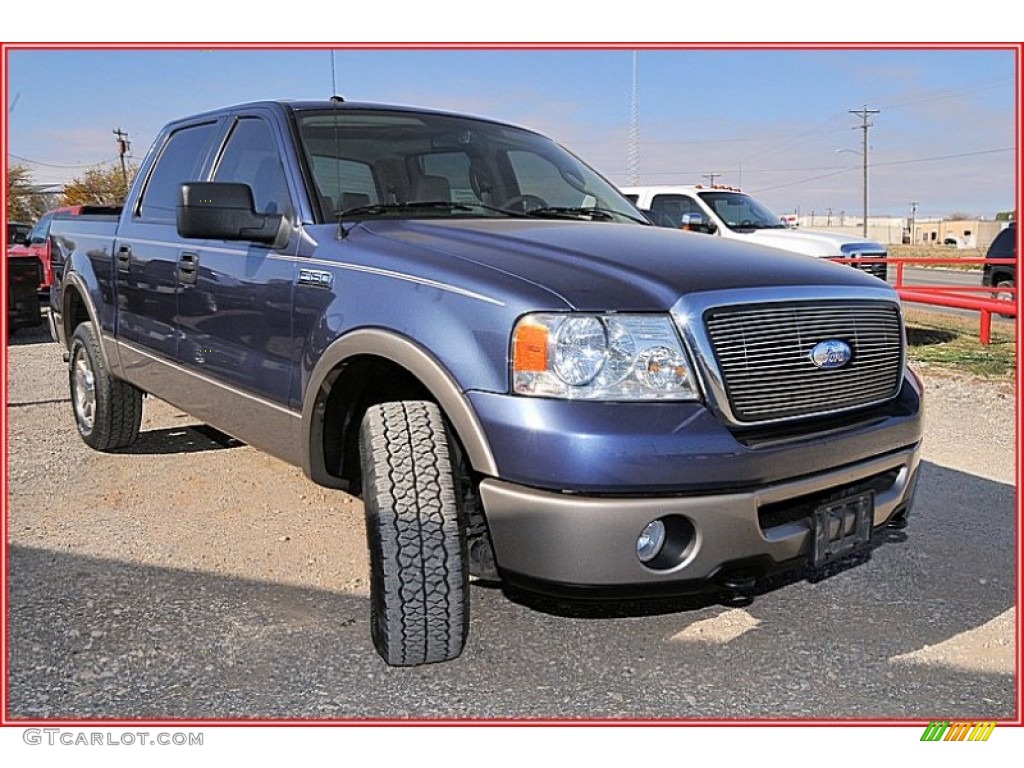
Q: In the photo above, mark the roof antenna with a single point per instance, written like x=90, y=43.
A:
x=335, y=101
x=334, y=82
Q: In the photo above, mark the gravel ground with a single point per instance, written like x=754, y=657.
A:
x=192, y=576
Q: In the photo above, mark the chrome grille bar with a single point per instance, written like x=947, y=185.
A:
x=763, y=357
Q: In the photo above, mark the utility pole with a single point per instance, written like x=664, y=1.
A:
x=864, y=125
x=828, y=221
x=123, y=146
x=913, y=222
x=710, y=177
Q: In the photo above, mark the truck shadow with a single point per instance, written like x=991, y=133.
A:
x=194, y=438
x=36, y=334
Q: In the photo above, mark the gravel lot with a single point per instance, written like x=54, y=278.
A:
x=191, y=576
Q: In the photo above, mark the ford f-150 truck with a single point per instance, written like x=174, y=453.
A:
x=728, y=212
x=525, y=381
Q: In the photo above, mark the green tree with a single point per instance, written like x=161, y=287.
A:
x=99, y=185
x=24, y=203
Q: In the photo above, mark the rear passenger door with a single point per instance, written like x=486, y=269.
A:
x=235, y=303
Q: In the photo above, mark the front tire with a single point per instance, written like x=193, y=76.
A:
x=107, y=411
x=419, y=580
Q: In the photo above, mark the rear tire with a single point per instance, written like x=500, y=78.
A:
x=107, y=411
x=419, y=581
x=1004, y=295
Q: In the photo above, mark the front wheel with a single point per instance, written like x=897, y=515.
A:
x=419, y=580
x=108, y=411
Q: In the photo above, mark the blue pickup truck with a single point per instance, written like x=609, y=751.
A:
x=465, y=325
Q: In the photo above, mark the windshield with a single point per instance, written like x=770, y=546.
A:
x=380, y=163
x=741, y=212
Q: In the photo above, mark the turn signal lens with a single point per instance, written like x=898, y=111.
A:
x=530, y=348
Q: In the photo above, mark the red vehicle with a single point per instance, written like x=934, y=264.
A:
x=37, y=242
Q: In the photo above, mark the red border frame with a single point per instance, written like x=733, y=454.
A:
x=6, y=721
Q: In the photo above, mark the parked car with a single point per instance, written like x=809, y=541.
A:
x=1002, y=276
x=17, y=231
x=23, y=276
x=466, y=325
x=37, y=242
x=728, y=212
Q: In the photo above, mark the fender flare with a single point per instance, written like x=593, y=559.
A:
x=421, y=364
x=75, y=280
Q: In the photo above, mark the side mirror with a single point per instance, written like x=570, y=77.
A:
x=225, y=211
x=695, y=222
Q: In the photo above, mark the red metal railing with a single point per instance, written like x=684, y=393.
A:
x=956, y=296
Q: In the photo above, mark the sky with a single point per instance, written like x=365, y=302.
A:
x=770, y=121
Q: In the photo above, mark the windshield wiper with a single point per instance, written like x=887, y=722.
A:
x=590, y=212
x=382, y=209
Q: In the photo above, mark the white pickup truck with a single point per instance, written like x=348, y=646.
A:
x=728, y=212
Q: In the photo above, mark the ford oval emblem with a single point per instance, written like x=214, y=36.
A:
x=831, y=354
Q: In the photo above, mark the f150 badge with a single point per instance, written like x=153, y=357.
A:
x=831, y=354
x=316, y=278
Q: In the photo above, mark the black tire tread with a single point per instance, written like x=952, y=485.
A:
x=419, y=594
x=118, y=416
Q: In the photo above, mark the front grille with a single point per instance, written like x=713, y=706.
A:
x=764, y=357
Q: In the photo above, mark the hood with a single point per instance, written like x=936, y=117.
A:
x=596, y=266
x=808, y=242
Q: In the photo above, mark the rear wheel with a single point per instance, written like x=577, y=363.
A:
x=108, y=411
x=1004, y=294
x=419, y=581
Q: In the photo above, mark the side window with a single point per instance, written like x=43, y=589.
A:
x=670, y=208
x=180, y=161
x=251, y=157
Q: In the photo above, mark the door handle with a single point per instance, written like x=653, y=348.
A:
x=124, y=258
x=188, y=267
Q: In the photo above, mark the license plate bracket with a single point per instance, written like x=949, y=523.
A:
x=842, y=527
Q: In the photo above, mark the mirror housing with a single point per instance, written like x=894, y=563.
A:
x=225, y=211
x=696, y=222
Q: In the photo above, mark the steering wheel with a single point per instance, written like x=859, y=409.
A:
x=525, y=203
x=745, y=223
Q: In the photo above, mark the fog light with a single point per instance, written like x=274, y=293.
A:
x=650, y=541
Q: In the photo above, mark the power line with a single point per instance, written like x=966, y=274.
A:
x=57, y=165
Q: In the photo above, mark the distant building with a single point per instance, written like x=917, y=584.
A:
x=893, y=230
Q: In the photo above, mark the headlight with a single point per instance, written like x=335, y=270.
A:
x=600, y=357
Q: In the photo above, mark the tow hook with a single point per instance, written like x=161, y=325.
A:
x=898, y=521
x=738, y=590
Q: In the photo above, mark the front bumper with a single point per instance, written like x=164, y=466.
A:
x=577, y=543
